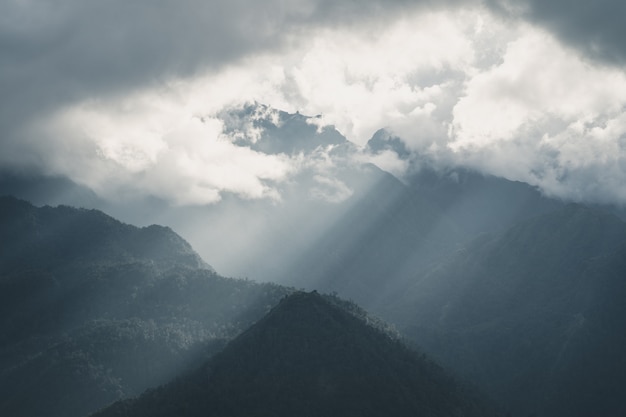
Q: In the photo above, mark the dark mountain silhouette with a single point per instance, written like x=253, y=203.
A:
x=310, y=357
x=93, y=310
x=41, y=190
x=534, y=314
x=50, y=237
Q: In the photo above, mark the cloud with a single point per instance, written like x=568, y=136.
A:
x=387, y=160
x=361, y=81
x=595, y=28
x=72, y=49
x=129, y=97
x=537, y=79
x=588, y=161
x=56, y=54
x=548, y=117
x=133, y=140
x=148, y=145
x=330, y=189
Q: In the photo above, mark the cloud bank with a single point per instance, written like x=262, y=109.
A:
x=128, y=99
x=596, y=29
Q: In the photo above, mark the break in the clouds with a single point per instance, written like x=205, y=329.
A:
x=130, y=97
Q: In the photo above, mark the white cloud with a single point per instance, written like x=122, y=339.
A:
x=588, y=161
x=458, y=86
x=537, y=80
x=362, y=81
x=149, y=144
x=387, y=160
x=548, y=117
x=330, y=189
x=167, y=141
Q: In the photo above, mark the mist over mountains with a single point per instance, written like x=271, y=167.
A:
x=334, y=183
x=505, y=287
x=103, y=319
x=313, y=207
x=94, y=310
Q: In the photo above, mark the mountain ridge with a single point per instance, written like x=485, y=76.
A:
x=517, y=310
x=93, y=310
x=309, y=357
x=91, y=230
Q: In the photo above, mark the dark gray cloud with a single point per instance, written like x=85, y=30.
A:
x=54, y=53
x=74, y=51
x=90, y=45
x=58, y=53
x=62, y=51
x=595, y=27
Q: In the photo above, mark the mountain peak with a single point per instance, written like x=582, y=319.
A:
x=308, y=356
x=272, y=131
x=383, y=140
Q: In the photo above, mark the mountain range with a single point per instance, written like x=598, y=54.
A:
x=95, y=311
x=516, y=292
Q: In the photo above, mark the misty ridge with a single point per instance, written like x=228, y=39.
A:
x=432, y=290
x=312, y=208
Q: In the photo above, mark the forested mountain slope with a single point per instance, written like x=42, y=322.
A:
x=93, y=310
x=310, y=357
x=533, y=314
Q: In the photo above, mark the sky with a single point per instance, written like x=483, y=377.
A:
x=127, y=98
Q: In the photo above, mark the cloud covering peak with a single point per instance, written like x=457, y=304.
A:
x=131, y=98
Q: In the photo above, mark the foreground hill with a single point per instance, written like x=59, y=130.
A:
x=309, y=357
x=93, y=310
x=534, y=314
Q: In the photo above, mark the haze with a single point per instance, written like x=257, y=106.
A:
x=151, y=111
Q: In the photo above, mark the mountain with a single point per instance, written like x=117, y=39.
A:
x=480, y=203
x=533, y=314
x=475, y=202
x=383, y=140
x=56, y=251
x=309, y=356
x=273, y=131
x=341, y=224
x=378, y=238
x=370, y=232
x=390, y=230
x=49, y=237
x=93, y=310
x=41, y=190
